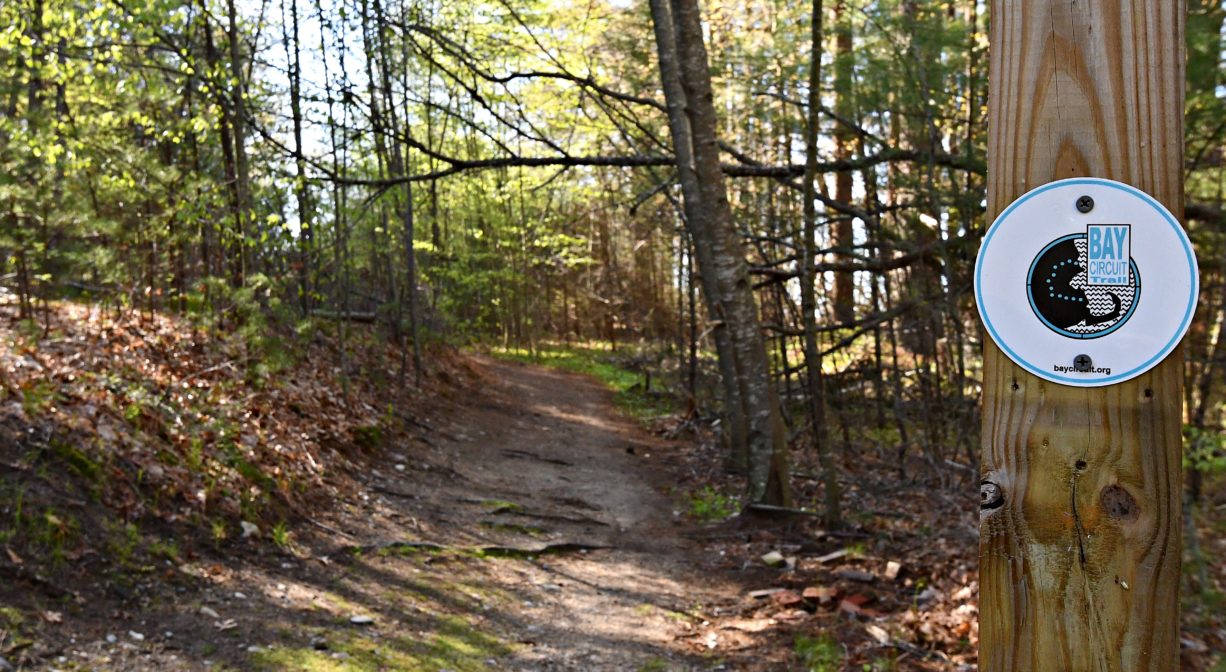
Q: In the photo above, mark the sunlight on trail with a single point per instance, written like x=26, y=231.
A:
x=580, y=418
x=456, y=646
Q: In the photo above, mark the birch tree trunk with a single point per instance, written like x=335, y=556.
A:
x=767, y=442
x=695, y=223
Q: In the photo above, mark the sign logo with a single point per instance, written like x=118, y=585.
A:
x=1085, y=285
x=1059, y=276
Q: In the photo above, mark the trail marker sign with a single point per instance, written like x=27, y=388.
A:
x=1086, y=282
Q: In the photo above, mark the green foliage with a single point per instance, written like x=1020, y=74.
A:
x=368, y=437
x=43, y=530
x=122, y=542
x=597, y=360
x=821, y=653
x=165, y=549
x=220, y=531
x=881, y=664
x=708, y=505
x=1204, y=450
x=17, y=628
x=38, y=397
x=77, y=461
x=282, y=537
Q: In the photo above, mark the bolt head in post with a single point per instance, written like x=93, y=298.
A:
x=1085, y=204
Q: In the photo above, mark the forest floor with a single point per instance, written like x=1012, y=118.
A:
x=518, y=518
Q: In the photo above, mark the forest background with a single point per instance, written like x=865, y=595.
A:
x=768, y=211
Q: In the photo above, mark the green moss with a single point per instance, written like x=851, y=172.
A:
x=819, y=654
x=654, y=665
x=525, y=530
x=501, y=506
x=10, y=618
x=454, y=644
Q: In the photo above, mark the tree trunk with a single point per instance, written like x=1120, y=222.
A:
x=239, y=122
x=696, y=218
x=306, y=230
x=767, y=442
x=808, y=281
x=843, y=238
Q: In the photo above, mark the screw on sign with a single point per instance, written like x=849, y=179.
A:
x=1082, y=363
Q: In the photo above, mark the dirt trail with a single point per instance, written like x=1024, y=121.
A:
x=391, y=579
x=578, y=472
x=528, y=458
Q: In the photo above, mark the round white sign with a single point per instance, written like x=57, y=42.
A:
x=1086, y=282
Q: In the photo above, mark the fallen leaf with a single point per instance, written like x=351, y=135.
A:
x=832, y=556
x=786, y=598
x=792, y=615
x=858, y=599
x=773, y=559
x=849, y=607
x=878, y=633
x=749, y=624
x=892, y=568
x=822, y=594
x=854, y=605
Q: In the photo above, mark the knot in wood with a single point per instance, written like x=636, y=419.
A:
x=1119, y=504
x=990, y=496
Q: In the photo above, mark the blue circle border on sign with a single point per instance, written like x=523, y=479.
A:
x=1161, y=210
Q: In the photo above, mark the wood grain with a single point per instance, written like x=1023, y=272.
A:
x=1079, y=566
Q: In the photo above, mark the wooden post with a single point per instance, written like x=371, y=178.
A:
x=1080, y=537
